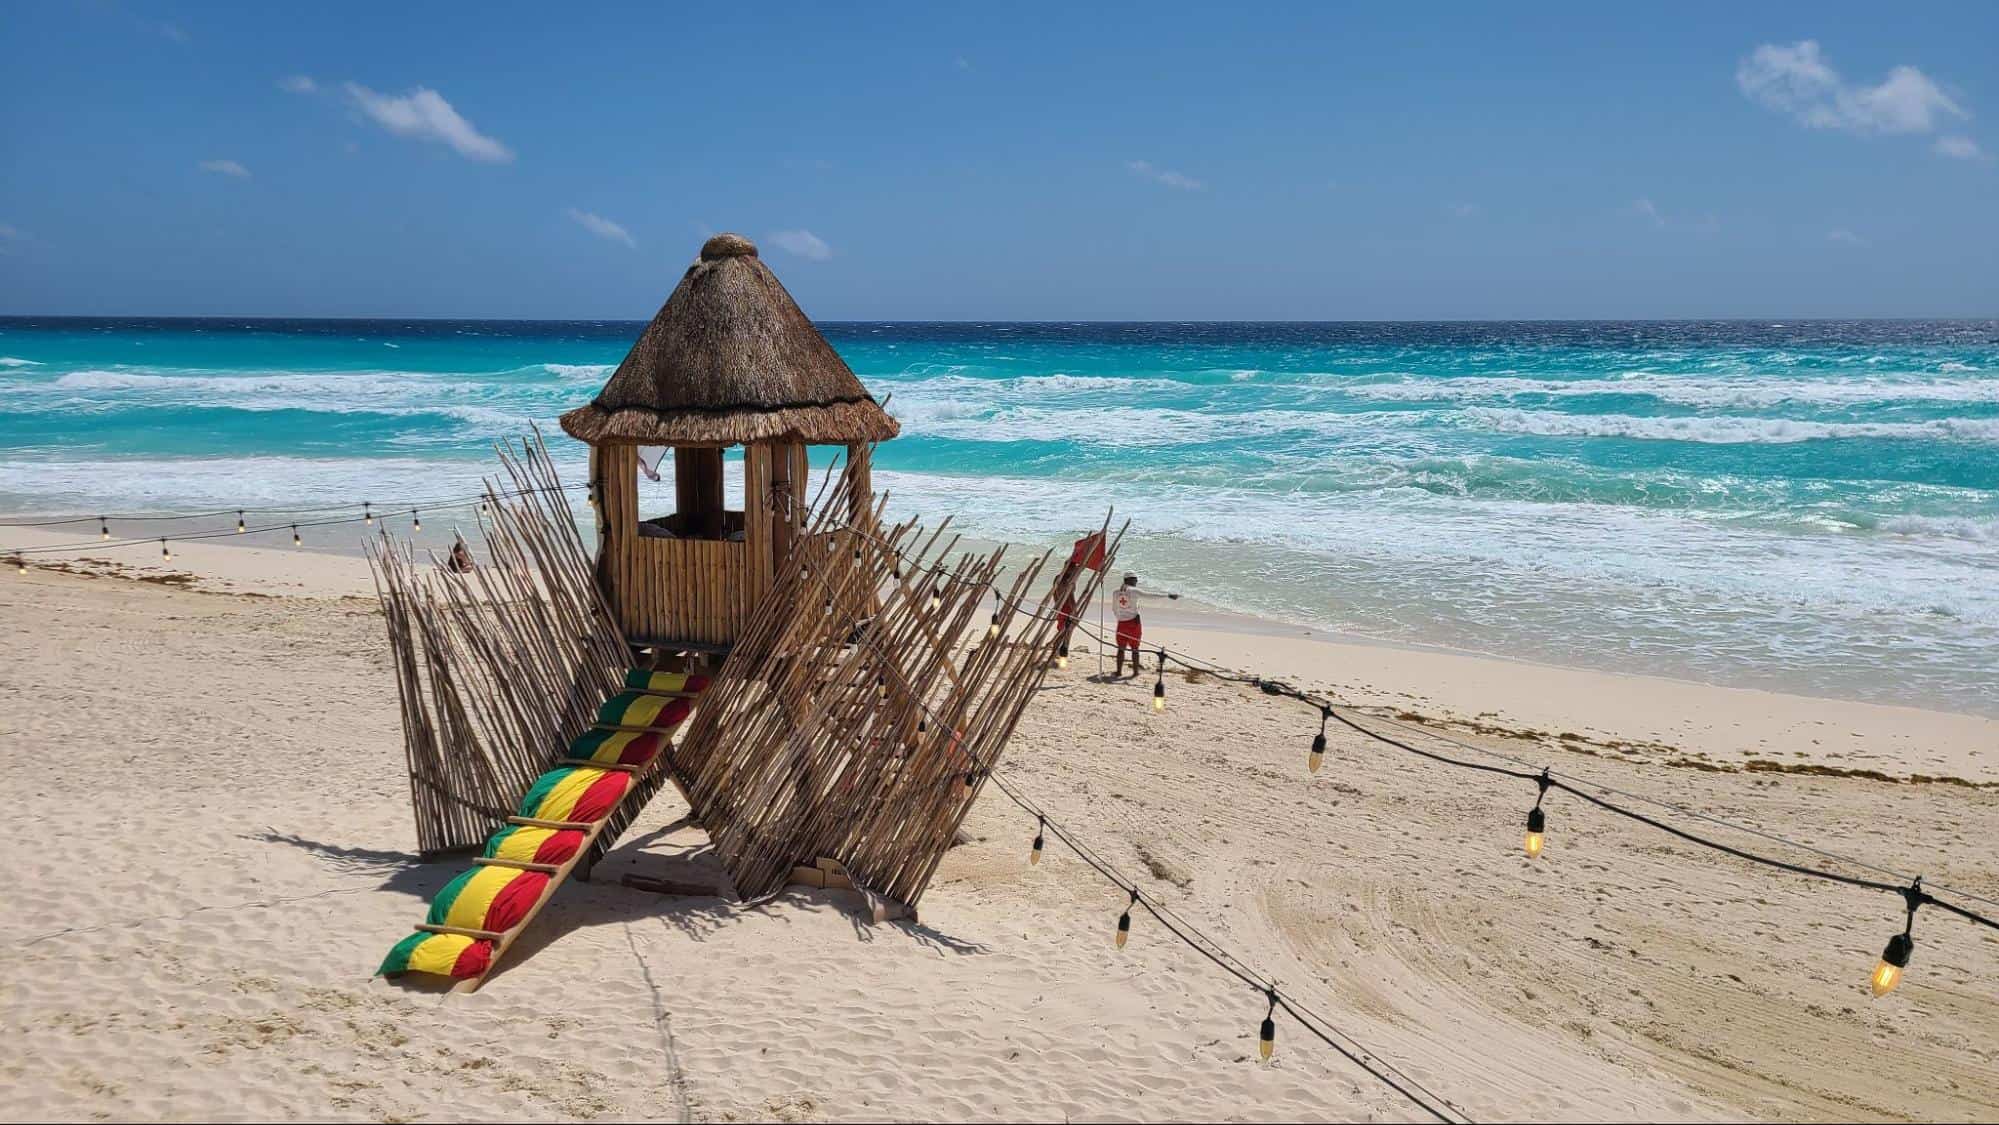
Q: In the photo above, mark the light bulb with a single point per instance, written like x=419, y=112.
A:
x=971, y=780
x=1318, y=754
x=367, y=516
x=416, y=521
x=1537, y=823
x=1061, y=661
x=164, y=552
x=1159, y=694
x=992, y=630
x=296, y=541
x=1266, y=1038
x=1124, y=922
x=1895, y=958
x=936, y=597
x=239, y=524
x=20, y=565
x=103, y=529
x=1034, y=857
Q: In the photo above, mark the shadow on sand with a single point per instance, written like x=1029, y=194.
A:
x=604, y=901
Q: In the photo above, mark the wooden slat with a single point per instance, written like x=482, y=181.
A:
x=483, y=935
x=518, y=864
x=564, y=825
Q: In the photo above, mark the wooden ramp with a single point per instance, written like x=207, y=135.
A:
x=479, y=915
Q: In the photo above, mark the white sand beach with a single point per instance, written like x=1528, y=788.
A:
x=213, y=849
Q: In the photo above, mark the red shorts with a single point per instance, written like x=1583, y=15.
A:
x=1129, y=633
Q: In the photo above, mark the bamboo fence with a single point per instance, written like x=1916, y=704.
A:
x=850, y=722
x=863, y=705
x=500, y=667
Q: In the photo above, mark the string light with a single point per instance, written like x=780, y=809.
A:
x=1318, y=754
x=1040, y=827
x=936, y=596
x=20, y=565
x=1124, y=921
x=1887, y=974
x=971, y=780
x=1159, y=685
x=367, y=514
x=993, y=630
x=1537, y=821
x=241, y=526
x=1062, y=656
x=416, y=521
x=1895, y=958
x=1266, y=1036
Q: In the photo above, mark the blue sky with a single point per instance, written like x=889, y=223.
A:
x=1162, y=161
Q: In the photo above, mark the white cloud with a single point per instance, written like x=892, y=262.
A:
x=1960, y=148
x=1463, y=210
x=803, y=243
x=424, y=114
x=1165, y=176
x=226, y=168
x=297, y=84
x=1796, y=80
x=1644, y=208
x=1845, y=237
x=962, y=63
x=602, y=227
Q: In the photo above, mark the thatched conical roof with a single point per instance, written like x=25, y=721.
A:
x=730, y=358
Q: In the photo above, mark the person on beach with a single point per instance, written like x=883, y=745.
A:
x=460, y=560
x=1130, y=634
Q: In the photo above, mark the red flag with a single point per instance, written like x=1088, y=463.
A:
x=1088, y=551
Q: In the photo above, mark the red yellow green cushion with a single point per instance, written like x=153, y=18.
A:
x=488, y=898
x=447, y=955
x=641, y=679
x=534, y=845
x=575, y=793
x=637, y=709
x=625, y=747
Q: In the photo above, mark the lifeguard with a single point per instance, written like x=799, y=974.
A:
x=1130, y=633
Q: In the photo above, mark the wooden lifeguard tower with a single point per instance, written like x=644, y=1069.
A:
x=847, y=731
x=729, y=360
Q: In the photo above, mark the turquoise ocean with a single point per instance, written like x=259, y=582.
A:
x=1809, y=506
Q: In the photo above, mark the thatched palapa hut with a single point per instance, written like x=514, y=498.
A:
x=729, y=360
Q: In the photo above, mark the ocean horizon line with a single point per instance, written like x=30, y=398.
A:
x=974, y=322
